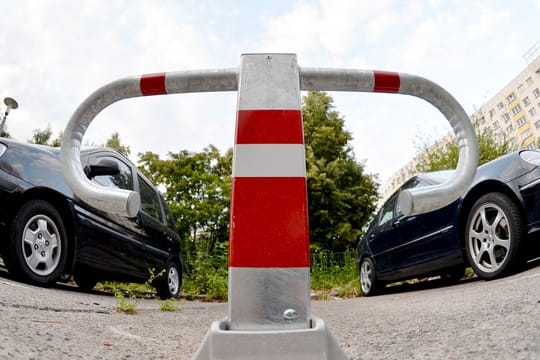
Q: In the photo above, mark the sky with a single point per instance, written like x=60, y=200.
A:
x=55, y=53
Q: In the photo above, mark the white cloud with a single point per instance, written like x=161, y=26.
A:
x=295, y=31
x=488, y=21
x=60, y=57
x=55, y=53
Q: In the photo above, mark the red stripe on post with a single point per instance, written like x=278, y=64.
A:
x=269, y=223
x=386, y=82
x=269, y=127
x=153, y=84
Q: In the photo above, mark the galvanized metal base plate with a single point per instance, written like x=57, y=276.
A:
x=315, y=343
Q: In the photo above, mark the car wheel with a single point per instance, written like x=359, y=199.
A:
x=83, y=280
x=168, y=286
x=368, y=278
x=38, y=246
x=493, y=236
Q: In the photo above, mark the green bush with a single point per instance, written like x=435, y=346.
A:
x=208, y=274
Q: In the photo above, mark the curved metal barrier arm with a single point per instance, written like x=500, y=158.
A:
x=419, y=200
x=118, y=201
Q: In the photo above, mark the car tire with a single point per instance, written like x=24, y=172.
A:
x=84, y=280
x=38, y=245
x=168, y=285
x=368, y=278
x=493, y=236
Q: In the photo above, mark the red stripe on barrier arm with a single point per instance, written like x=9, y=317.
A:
x=273, y=231
x=153, y=84
x=386, y=82
x=269, y=127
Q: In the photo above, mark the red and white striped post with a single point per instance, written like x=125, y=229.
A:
x=269, y=274
x=269, y=236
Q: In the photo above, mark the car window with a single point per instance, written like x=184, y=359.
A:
x=122, y=180
x=169, y=217
x=387, y=211
x=149, y=200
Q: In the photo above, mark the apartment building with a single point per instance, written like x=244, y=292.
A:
x=512, y=114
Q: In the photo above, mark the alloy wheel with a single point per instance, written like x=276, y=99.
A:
x=489, y=237
x=366, y=276
x=173, y=280
x=41, y=245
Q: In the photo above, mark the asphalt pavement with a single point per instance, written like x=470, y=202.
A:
x=472, y=320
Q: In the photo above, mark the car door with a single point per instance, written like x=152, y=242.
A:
x=112, y=241
x=159, y=238
x=423, y=238
x=384, y=236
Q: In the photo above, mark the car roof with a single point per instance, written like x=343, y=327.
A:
x=85, y=150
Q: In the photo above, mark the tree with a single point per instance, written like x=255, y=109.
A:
x=198, y=187
x=114, y=143
x=341, y=196
x=444, y=156
x=44, y=137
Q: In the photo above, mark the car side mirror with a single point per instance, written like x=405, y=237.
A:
x=102, y=167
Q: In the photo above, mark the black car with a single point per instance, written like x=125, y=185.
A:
x=485, y=229
x=47, y=234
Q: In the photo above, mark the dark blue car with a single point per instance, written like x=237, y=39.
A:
x=485, y=229
x=47, y=234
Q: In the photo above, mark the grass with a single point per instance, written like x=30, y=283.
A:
x=334, y=274
x=126, y=306
x=169, y=305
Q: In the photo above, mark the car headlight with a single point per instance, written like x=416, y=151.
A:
x=530, y=156
x=3, y=149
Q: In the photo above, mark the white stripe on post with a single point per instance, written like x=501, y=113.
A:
x=275, y=160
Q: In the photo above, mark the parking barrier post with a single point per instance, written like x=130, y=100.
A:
x=269, y=286
x=269, y=275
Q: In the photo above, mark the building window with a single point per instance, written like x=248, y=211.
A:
x=511, y=98
x=532, y=112
x=521, y=88
x=536, y=93
x=510, y=128
x=526, y=101
x=521, y=121
x=500, y=106
x=516, y=109
x=537, y=124
x=525, y=135
x=491, y=113
x=506, y=117
x=530, y=81
x=495, y=125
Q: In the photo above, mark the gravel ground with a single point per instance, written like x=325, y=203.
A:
x=473, y=320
